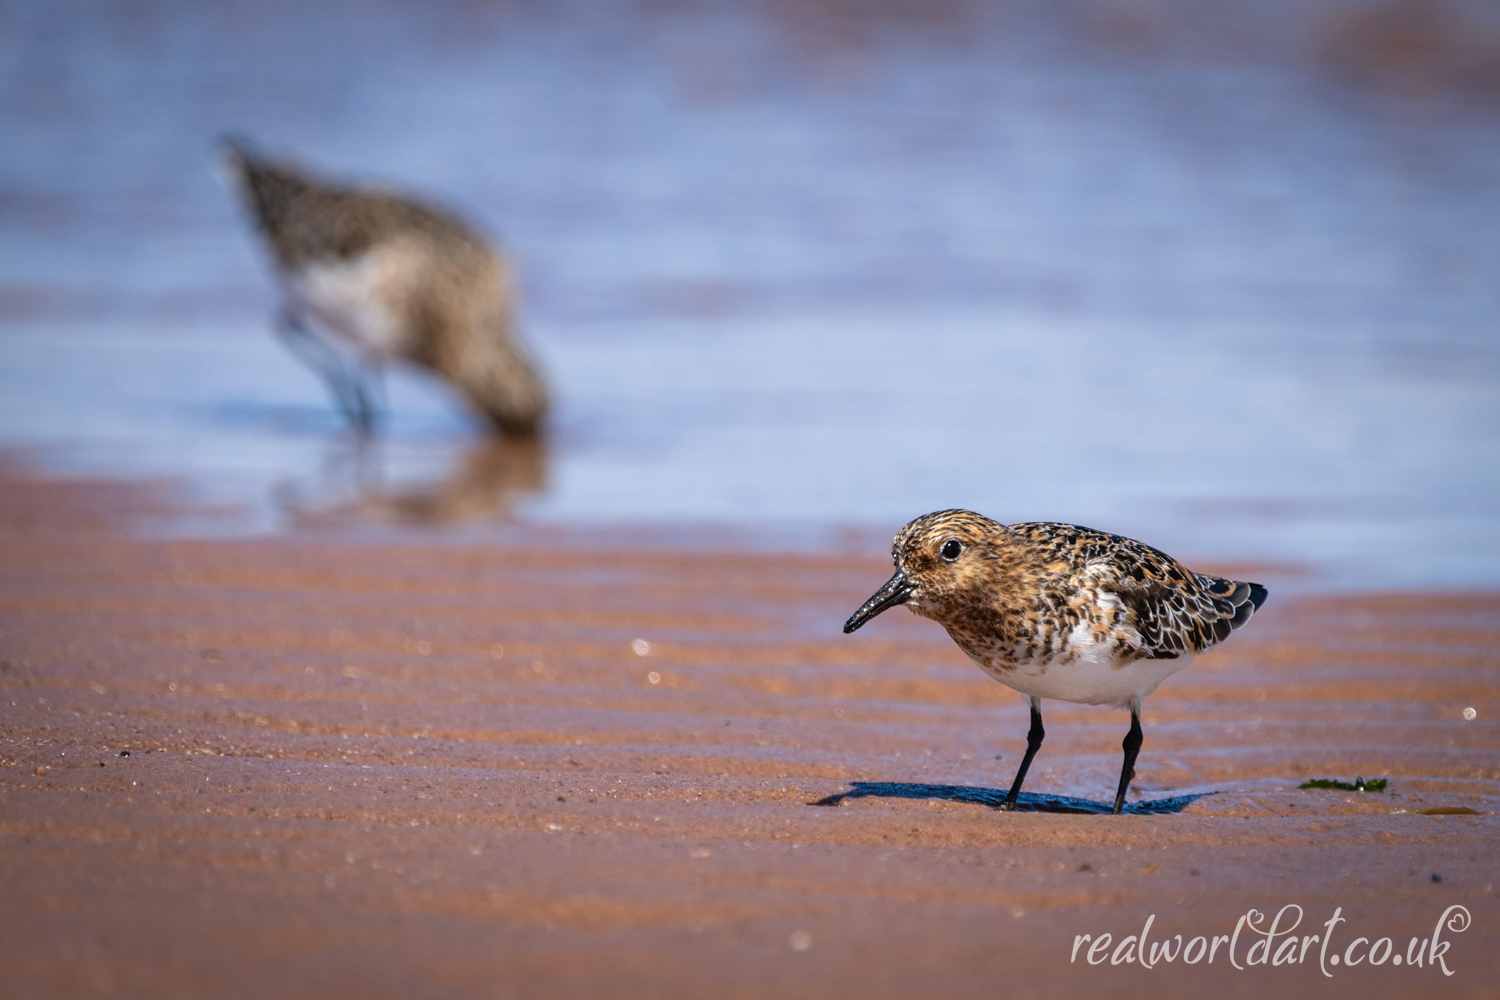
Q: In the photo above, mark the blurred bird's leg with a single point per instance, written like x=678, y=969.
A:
x=1132, y=747
x=344, y=380
x=1034, y=739
x=369, y=376
x=363, y=385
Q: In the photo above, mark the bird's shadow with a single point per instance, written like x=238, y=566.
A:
x=994, y=797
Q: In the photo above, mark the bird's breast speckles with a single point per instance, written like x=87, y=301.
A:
x=1054, y=626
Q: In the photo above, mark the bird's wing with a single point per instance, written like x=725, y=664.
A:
x=1175, y=612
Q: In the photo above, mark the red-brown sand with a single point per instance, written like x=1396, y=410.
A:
x=299, y=768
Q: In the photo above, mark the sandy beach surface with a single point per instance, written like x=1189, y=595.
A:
x=327, y=766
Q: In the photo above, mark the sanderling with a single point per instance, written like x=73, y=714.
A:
x=1059, y=611
x=368, y=276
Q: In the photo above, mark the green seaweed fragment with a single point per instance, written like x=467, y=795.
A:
x=1360, y=784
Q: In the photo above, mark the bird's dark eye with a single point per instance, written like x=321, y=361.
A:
x=951, y=549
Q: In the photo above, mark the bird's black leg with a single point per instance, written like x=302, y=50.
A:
x=343, y=381
x=1033, y=743
x=1132, y=746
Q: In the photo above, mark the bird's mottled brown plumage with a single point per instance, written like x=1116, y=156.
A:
x=1020, y=592
x=352, y=259
x=1061, y=611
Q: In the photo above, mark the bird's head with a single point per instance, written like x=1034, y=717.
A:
x=940, y=558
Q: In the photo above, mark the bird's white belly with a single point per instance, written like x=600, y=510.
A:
x=355, y=299
x=1095, y=677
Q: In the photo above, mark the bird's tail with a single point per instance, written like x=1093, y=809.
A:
x=271, y=190
x=235, y=160
x=1244, y=598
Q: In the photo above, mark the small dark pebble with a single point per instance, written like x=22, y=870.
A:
x=1195, y=872
x=561, y=799
x=1436, y=877
x=101, y=763
x=1085, y=867
x=124, y=753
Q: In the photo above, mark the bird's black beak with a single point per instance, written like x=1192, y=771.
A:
x=896, y=591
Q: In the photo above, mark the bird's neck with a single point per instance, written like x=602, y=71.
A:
x=1004, y=598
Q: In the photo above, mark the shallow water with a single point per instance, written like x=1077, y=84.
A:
x=1219, y=279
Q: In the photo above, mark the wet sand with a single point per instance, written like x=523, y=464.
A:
x=322, y=766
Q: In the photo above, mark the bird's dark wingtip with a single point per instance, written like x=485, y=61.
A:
x=1248, y=597
x=1258, y=595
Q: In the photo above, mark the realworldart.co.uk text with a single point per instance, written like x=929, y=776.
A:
x=1256, y=942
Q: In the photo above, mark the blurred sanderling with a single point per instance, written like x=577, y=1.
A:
x=369, y=276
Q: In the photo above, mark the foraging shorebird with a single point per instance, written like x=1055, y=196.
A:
x=368, y=277
x=1059, y=611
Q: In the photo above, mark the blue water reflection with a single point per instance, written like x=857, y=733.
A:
x=1218, y=281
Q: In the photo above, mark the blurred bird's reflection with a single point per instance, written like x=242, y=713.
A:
x=361, y=483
